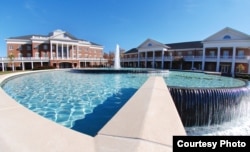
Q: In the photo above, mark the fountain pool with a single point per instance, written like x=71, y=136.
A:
x=84, y=101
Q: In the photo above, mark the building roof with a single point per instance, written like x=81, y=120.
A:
x=29, y=37
x=133, y=50
x=182, y=45
x=185, y=45
x=26, y=37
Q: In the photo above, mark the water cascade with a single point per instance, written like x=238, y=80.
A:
x=199, y=106
x=117, y=58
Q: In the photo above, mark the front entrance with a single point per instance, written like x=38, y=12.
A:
x=225, y=68
x=65, y=65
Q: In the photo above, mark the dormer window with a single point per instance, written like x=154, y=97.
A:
x=227, y=37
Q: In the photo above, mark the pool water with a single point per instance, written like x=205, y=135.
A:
x=66, y=97
x=86, y=102
x=201, y=80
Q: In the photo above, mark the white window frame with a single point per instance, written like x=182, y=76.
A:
x=10, y=47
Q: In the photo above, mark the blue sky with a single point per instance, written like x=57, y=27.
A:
x=124, y=22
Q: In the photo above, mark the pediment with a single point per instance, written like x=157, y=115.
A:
x=227, y=34
x=62, y=35
x=150, y=44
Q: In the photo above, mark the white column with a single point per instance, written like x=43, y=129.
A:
x=77, y=51
x=146, y=59
x=192, y=62
x=57, y=51
x=13, y=66
x=218, y=60
x=67, y=51
x=51, y=55
x=72, y=52
x=233, y=61
x=32, y=65
x=2, y=66
x=23, y=66
x=203, y=58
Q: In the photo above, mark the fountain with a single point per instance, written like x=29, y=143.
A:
x=208, y=100
x=200, y=99
x=117, y=58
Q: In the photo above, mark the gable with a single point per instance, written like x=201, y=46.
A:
x=59, y=34
x=227, y=34
x=150, y=44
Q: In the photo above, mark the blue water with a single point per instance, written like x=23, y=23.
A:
x=86, y=102
x=69, y=98
x=200, y=80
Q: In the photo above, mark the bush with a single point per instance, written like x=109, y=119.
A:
x=43, y=68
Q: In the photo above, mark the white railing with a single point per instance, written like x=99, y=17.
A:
x=24, y=59
x=30, y=59
x=187, y=58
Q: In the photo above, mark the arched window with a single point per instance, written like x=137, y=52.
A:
x=149, y=44
x=227, y=37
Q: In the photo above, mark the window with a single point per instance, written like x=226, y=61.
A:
x=45, y=46
x=28, y=47
x=179, y=53
x=29, y=55
x=10, y=47
x=20, y=48
x=225, y=54
x=37, y=54
x=227, y=37
x=149, y=44
x=36, y=47
x=212, y=53
x=241, y=53
x=190, y=53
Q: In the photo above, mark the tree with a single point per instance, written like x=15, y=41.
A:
x=241, y=68
x=11, y=57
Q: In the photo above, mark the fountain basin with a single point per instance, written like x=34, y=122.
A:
x=203, y=99
x=113, y=70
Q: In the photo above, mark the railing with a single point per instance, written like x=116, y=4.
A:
x=25, y=59
x=187, y=58
x=46, y=59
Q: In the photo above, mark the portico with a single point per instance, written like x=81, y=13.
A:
x=151, y=54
